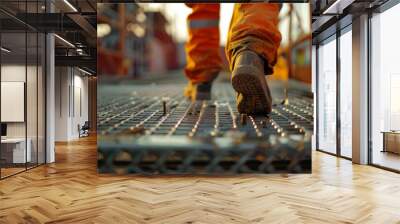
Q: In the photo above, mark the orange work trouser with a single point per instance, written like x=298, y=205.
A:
x=254, y=26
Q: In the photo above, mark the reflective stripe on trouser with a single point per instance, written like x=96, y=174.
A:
x=202, y=49
x=203, y=23
x=254, y=27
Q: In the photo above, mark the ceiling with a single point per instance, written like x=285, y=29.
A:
x=72, y=20
x=328, y=16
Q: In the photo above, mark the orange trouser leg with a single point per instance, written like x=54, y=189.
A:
x=254, y=27
x=202, y=49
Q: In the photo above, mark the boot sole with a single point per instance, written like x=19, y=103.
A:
x=253, y=105
x=256, y=96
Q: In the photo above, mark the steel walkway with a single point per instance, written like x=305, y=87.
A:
x=152, y=129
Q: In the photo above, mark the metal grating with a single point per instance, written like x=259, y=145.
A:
x=151, y=129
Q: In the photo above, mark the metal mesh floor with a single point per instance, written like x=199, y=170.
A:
x=152, y=128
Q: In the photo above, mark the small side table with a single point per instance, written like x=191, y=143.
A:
x=391, y=141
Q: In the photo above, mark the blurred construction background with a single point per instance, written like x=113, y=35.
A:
x=140, y=40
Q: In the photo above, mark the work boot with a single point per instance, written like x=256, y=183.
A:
x=249, y=81
x=199, y=91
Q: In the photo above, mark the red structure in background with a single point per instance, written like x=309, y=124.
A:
x=110, y=63
x=110, y=60
x=124, y=52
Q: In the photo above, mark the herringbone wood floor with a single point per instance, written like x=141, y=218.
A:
x=70, y=191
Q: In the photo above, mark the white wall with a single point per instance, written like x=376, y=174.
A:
x=71, y=93
x=14, y=73
x=62, y=81
x=82, y=83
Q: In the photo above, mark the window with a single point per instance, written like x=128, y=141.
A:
x=346, y=93
x=385, y=89
x=327, y=96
